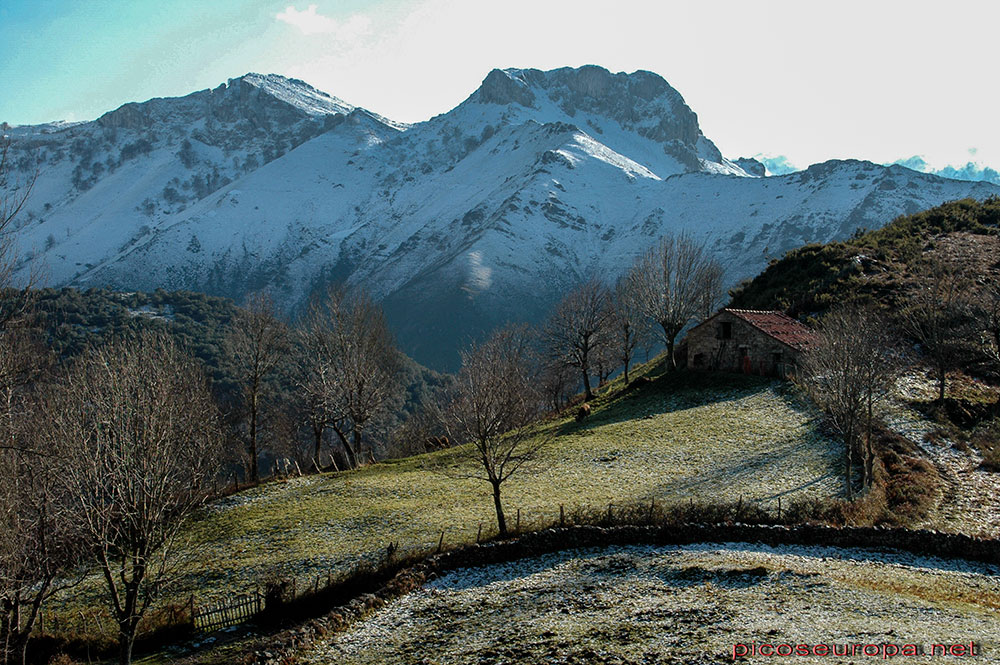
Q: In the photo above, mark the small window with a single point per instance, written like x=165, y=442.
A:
x=727, y=330
x=699, y=359
x=776, y=357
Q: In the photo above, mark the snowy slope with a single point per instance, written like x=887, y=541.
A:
x=106, y=186
x=482, y=214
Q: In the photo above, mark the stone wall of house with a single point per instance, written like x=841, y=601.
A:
x=747, y=349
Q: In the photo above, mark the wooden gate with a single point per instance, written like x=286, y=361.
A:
x=229, y=613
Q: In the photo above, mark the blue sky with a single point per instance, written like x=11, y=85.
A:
x=880, y=80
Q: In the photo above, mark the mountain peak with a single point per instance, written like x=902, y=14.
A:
x=504, y=87
x=251, y=96
x=641, y=103
x=294, y=92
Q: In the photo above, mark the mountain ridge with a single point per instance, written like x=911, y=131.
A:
x=480, y=215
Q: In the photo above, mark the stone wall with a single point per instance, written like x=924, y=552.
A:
x=748, y=349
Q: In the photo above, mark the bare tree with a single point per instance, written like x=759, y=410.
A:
x=494, y=402
x=628, y=323
x=556, y=382
x=938, y=312
x=36, y=534
x=37, y=539
x=257, y=343
x=711, y=291
x=356, y=365
x=673, y=282
x=139, y=433
x=579, y=327
x=848, y=372
x=36, y=545
x=986, y=312
x=316, y=381
x=421, y=432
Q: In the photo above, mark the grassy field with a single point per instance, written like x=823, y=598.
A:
x=720, y=439
x=707, y=438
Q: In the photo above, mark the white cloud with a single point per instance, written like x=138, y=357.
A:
x=311, y=22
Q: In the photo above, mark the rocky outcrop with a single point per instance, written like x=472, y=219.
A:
x=501, y=88
x=751, y=166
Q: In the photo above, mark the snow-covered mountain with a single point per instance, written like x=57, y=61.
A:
x=481, y=215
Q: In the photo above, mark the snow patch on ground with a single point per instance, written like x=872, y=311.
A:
x=970, y=500
x=689, y=604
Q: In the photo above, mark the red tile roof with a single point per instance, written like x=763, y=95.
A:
x=778, y=325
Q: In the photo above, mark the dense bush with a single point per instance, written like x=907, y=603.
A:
x=810, y=279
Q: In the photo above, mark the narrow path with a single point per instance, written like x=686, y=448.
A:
x=969, y=501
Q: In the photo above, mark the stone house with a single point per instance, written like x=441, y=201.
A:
x=764, y=342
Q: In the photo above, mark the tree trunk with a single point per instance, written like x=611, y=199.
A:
x=626, y=372
x=849, y=463
x=254, y=473
x=588, y=394
x=318, y=441
x=20, y=647
x=501, y=520
x=125, y=642
x=352, y=460
x=671, y=361
x=870, y=462
x=942, y=370
x=357, y=445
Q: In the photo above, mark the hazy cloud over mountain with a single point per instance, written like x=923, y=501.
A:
x=972, y=171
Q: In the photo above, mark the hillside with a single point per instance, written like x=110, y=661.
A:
x=763, y=444
x=713, y=440
x=876, y=266
x=483, y=214
x=70, y=320
x=887, y=269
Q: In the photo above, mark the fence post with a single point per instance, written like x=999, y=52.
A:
x=517, y=528
x=739, y=507
x=779, y=509
x=609, y=513
x=652, y=505
x=562, y=516
x=191, y=606
x=480, y=534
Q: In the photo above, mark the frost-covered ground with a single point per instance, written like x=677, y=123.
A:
x=680, y=605
x=970, y=497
